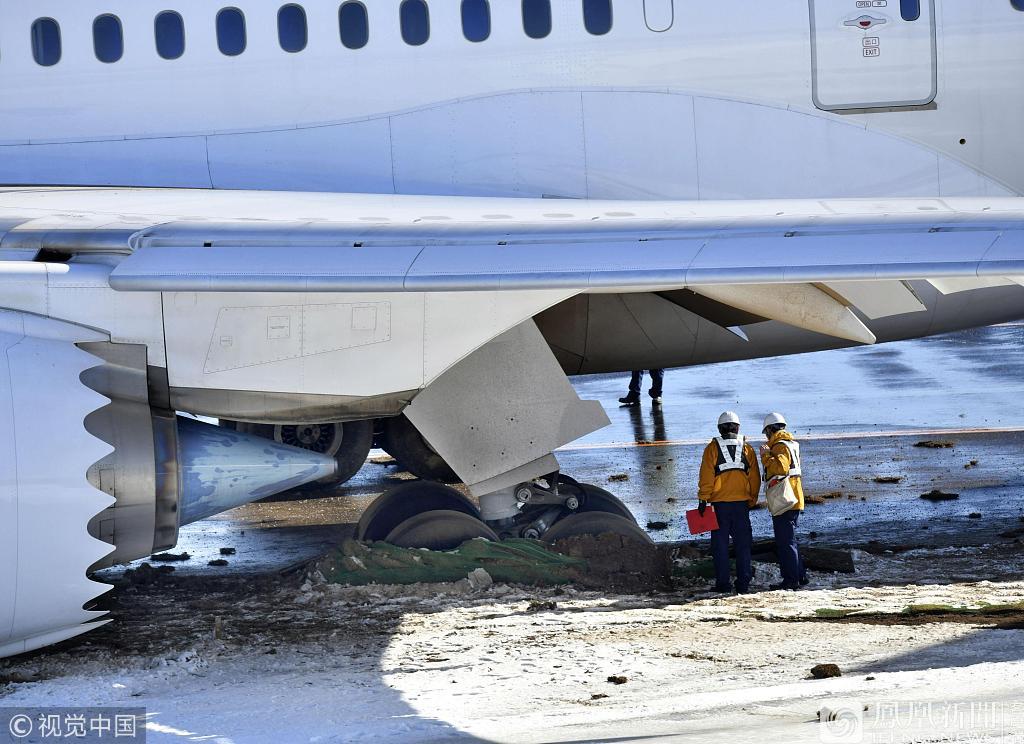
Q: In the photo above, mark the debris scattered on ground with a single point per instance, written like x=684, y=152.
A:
x=169, y=557
x=828, y=560
x=146, y=573
x=832, y=495
x=888, y=478
x=814, y=499
x=217, y=562
x=974, y=515
x=812, y=535
x=937, y=495
x=617, y=679
x=1011, y=534
x=971, y=464
x=479, y=579
x=541, y=605
x=670, y=500
x=657, y=525
x=227, y=551
x=657, y=467
x=936, y=444
x=382, y=460
x=616, y=477
x=598, y=696
x=825, y=671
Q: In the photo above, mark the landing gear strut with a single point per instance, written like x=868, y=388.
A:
x=423, y=514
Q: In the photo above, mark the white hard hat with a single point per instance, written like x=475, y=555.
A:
x=773, y=418
x=729, y=417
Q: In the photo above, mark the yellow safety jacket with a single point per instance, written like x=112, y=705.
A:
x=779, y=461
x=729, y=472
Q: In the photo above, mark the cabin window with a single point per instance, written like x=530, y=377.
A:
x=354, y=25
x=292, y=30
x=107, y=38
x=537, y=18
x=476, y=19
x=46, y=46
x=597, y=16
x=415, y=22
x=910, y=9
x=170, y=35
x=231, y=32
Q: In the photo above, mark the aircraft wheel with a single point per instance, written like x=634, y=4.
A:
x=596, y=499
x=400, y=439
x=596, y=523
x=395, y=506
x=440, y=529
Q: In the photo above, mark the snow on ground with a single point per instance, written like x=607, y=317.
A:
x=301, y=662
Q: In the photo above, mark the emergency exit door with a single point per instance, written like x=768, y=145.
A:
x=872, y=53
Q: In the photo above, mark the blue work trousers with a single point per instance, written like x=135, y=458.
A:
x=733, y=521
x=657, y=378
x=786, y=548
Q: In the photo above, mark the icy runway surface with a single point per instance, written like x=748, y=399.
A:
x=241, y=653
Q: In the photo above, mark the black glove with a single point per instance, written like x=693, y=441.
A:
x=702, y=507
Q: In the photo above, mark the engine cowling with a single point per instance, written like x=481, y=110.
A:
x=92, y=473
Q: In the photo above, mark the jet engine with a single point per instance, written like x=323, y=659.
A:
x=94, y=471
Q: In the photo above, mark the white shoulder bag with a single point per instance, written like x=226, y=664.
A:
x=779, y=491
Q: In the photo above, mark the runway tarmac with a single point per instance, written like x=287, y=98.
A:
x=857, y=411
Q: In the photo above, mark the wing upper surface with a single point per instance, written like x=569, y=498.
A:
x=835, y=254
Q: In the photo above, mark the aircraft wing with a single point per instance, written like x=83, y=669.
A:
x=809, y=263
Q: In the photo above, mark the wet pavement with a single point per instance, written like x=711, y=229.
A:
x=858, y=412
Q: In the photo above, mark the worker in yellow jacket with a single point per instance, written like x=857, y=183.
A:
x=781, y=458
x=730, y=480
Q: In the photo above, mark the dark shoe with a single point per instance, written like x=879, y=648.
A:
x=722, y=589
x=782, y=585
x=743, y=590
x=804, y=581
x=631, y=399
x=656, y=402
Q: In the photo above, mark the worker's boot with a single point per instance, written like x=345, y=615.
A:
x=631, y=399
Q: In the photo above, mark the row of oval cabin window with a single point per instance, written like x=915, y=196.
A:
x=292, y=28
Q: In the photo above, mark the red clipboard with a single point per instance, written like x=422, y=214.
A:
x=700, y=524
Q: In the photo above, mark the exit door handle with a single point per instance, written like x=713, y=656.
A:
x=865, y=22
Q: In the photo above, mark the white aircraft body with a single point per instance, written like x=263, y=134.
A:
x=313, y=220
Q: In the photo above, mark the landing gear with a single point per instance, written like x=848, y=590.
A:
x=423, y=514
x=400, y=439
x=394, y=507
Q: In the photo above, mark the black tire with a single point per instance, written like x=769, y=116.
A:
x=407, y=500
x=442, y=529
x=596, y=499
x=402, y=441
x=595, y=523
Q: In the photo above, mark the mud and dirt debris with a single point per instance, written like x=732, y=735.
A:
x=618, y=477
x=169, y=557
x=657, y=526
x=382, y=460
x=227, y=551
x=832, y=495
x=1012, y=534
x=814, y=499
x=937, y=495
x=618, y=679
x=971, y=464
x=146, y=574
x=541, y=605
x=936, y=444
x=888, y=478
x=974, y=515
x=826, y=671
x=598, y=696
x=671, y=500
x=217, y=562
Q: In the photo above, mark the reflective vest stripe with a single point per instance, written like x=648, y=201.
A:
x=731, y=462
x=794, y=457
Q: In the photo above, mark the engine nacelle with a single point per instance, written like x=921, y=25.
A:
x=92, y=473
